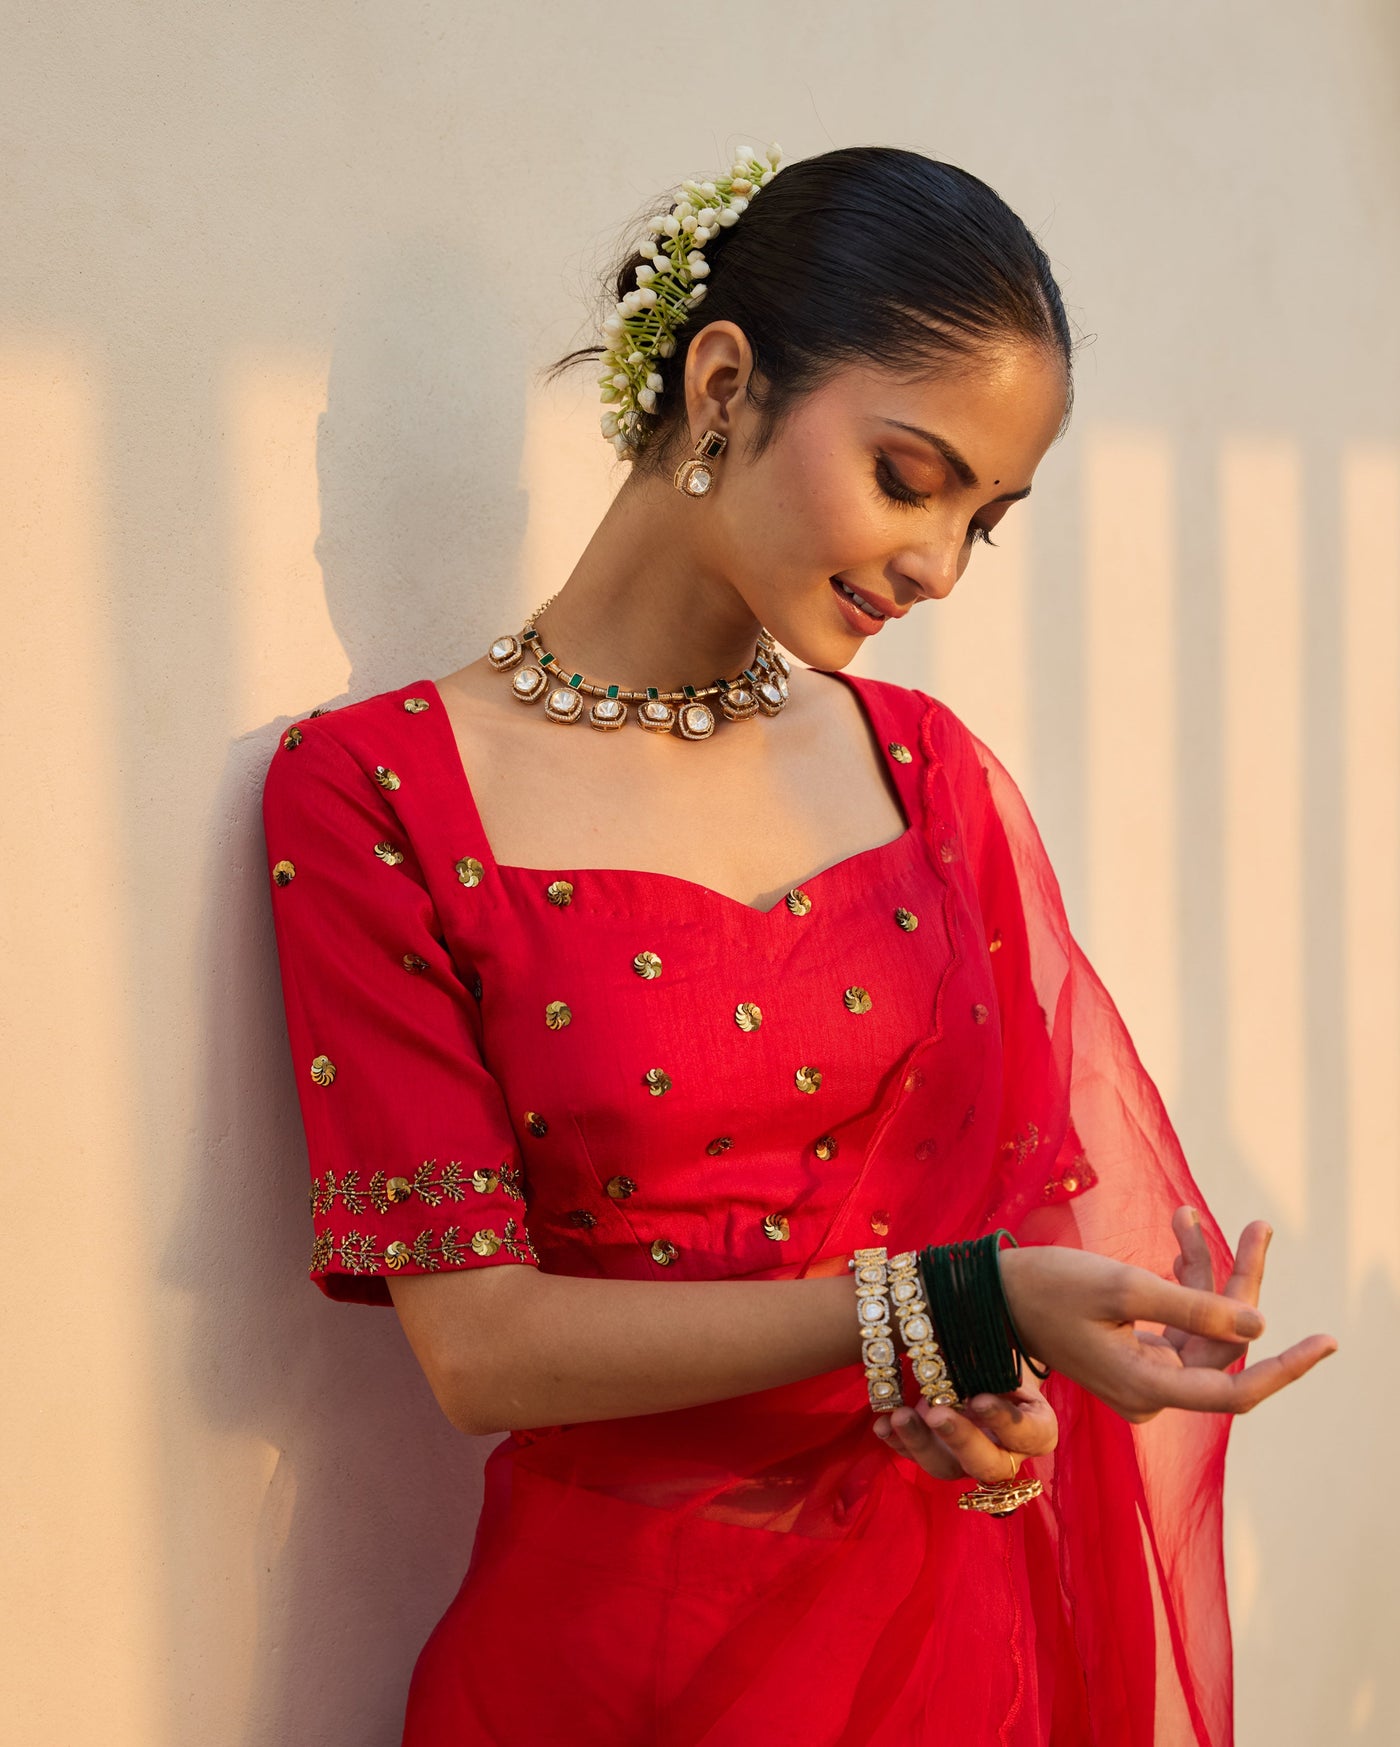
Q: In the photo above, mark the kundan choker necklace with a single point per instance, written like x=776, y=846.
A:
x=763, y=686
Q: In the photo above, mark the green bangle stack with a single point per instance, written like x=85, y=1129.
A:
x=967, y=1302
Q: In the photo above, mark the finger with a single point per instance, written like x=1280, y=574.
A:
x=973, y=1450
x=1148, y=1298
x=1204, y=1390
x=907, y=1435
x=1195, y=1266
x=1027, y=1426
x=1248, y=1274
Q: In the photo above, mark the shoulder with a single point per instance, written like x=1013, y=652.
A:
x=347, y=743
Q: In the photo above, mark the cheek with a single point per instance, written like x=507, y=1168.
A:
x=825, y=522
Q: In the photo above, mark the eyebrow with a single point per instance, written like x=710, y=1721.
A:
x=955, y=460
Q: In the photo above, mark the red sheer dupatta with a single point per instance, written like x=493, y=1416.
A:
x=1134, y=1512
x=774, y=1571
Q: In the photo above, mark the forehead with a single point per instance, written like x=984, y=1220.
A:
x=1001, y=408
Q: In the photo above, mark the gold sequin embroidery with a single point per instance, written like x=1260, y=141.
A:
x=798, y=902
x=361, y=1253
x=386, y=778
x=431, y=1183
x=415, y=706
x=775, y=1225
x=284, y=873
x=581, y=1218
x=536, y=1123
x=979, y=1014
x=412, y=962
x=322, y=1070
x=880, y=1222
x=826, y=1147
x=1080, y=1175
x=470, y=870
x=663, y=1252
x=994, y=944
x=293, y=737
x=721, y=1143
x=901, y=754
x=906, y=919
x=557, y=1015
x=748, y=1016
x=559, y=892
x=857, y=999
x=389, y=854
x=619, y=1188
x=807, y=1079
x=647, y=964
x=657, y=1081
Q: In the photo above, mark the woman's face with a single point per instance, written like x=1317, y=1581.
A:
x=850, y=492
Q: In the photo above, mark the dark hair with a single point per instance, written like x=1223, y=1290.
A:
x=866, y=254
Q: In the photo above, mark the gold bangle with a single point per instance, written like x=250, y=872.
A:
x=882, y=1378
x=916, y=1331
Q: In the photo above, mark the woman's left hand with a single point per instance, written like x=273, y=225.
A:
x=971, y=1441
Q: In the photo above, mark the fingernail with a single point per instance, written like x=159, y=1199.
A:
x=882, y=1427
x=948, y=1425
x=1248, y=1323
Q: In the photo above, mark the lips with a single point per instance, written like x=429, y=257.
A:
x=886, y=608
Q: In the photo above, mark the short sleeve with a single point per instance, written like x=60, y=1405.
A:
x=414, y=1164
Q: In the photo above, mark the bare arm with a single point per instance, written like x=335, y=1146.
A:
x=513, y=1347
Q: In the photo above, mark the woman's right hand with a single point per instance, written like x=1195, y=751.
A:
x=1078, y=1313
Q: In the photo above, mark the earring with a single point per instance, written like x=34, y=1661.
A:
x=695, y=476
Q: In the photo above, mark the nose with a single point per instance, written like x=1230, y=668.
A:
x=933, y=569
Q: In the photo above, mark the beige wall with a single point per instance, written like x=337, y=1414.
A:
x=275, y=284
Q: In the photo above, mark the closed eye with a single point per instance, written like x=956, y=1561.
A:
x=893, y=488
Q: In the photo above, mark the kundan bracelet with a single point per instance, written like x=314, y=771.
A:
x=882, y=1375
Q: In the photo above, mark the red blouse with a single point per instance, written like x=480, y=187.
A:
x=610, y=1072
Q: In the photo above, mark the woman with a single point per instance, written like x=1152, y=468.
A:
x=612, y=1051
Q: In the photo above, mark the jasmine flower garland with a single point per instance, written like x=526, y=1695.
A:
x=642, y=327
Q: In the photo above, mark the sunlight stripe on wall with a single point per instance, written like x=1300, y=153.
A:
x=1130, y=563
x=291, y=658
x=1370, y=504
x=1261, y=567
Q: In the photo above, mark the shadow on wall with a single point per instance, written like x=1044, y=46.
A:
x=371, y=1497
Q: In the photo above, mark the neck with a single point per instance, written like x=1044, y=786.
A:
x=646, y=604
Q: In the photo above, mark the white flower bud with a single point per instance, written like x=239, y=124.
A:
x=707, y=187
x=688, y=222
x=645, y=273
x=765, y=179
x=655, y=382
x=635, y=358
x=667, y=347
x=620, y=443
x=657, y=221
x=620, y=379
x=728, y=217
x=609, y=394
x=743, y=155
x=612, y=326
x=697, y=294
x=646, y=298
x=608, y=424
x=646, y=398
x=672, y=225
x=662, y=263
x=699, y=267
x=684, y=210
